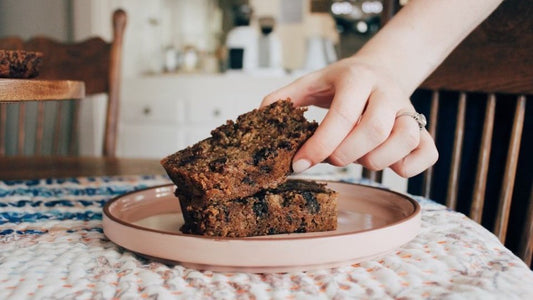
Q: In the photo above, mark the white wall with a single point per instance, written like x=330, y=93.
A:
x=156, y=24
x=26, y=18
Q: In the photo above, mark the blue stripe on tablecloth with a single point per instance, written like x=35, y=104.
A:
x=54, y=203
x=103, y=179
x=19, y=232
x=19, y=217
x=38, y=232
x=34, y=182
x=43, y=191
x=28, y=206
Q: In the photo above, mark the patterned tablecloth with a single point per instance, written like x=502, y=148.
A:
x=52, y=246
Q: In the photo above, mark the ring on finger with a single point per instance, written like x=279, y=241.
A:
x=418, y=117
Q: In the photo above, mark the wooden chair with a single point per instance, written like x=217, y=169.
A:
x=476, y=103
x=93, y=61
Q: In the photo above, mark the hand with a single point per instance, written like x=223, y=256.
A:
x=361, y=125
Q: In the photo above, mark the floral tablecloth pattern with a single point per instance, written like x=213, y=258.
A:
x=52, y=246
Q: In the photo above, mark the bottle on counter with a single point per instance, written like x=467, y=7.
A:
x=242, y=41
x=269, y=48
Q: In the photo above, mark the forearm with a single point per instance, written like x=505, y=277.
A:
x=421, y=35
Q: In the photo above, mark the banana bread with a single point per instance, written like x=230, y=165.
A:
x=19, y=63
x=241, y=158
x=294, y=206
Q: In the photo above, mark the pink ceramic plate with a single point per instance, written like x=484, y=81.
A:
x=372, y=222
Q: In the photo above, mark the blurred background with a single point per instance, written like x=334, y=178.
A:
x=207, y=35
x=190, y=65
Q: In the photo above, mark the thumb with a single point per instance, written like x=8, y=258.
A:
x=297, y=90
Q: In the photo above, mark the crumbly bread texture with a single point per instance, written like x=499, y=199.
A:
x=241, y=158
x=294, y=206
x=19, y=63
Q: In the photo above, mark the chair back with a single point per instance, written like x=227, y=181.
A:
x=95, y=62
x=477, y=102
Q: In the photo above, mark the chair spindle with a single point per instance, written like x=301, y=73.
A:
x=526, y=244
x=3, y=120
x=39, y=128
x=375, y=176
x=57, y=128
x=21, y=129
x=74, y=128
x=453, y=181
x=478, y=201
x=432, y=129
x=506, y=194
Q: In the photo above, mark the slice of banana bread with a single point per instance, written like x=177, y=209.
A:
x=19, y=63
x=243, y=157
x=294, y=206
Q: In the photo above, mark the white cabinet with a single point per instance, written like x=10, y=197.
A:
x=148, y=140
x=174, y=111
x=148, y=104
x=207, y=107
x=166, y=113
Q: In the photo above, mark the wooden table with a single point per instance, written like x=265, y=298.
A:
x=18, y=167
x=16, y=90
x=24, y=90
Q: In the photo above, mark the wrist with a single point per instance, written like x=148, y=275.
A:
x=381, y=72
x=402, y=56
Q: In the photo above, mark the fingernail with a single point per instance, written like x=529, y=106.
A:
x=300, y=165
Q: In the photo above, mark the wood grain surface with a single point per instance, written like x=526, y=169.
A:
x=18, y=90
x=61, y=167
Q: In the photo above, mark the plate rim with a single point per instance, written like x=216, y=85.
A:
x=289, y=236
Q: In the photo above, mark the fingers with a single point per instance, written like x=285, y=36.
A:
x=404, y=138
x=298, y=90
x=344, y=112
x=424, y=156
x=361, y=124
x=374, y=128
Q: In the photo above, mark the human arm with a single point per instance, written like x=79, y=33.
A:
x=366, y=92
